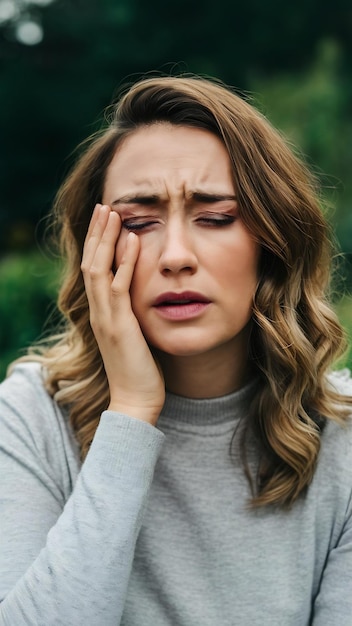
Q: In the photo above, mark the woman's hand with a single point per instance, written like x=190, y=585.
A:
x=135, y=380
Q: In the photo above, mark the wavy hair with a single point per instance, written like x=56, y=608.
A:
x=295, y=335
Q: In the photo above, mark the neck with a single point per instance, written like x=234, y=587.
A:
x=203, y=376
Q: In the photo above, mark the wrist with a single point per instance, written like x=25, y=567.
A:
x=145, y=414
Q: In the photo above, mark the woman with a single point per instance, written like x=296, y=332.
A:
x=181, y=453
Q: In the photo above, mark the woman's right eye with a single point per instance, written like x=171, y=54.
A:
x=135, y=226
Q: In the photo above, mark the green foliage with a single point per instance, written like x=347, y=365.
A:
x=28, y=287
x=344, y=312
x=52, y=94
x=312, y=109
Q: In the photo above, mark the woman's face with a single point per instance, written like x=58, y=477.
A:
x=196, y=273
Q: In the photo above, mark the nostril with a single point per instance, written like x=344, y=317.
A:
x=176, y=258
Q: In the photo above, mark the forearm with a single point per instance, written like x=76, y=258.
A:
x=82, y=573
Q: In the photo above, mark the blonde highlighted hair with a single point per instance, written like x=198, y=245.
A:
x=295, y=335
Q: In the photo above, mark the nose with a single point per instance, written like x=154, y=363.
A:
x=177, y=253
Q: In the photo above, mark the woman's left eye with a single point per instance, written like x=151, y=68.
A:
x=218, y=220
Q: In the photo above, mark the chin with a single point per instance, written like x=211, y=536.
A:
x=193, y=344
x=177, y=350
x=183, y=349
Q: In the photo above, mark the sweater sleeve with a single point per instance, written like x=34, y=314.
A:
x=67, y=561
x=333, y=604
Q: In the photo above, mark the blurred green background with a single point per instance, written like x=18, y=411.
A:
x=61, y=63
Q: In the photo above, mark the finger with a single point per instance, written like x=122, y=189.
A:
x=96, y=225
x=103, y=235
x=104, y=255
x=94, y=234
x=97, y=263
x=122, y=281
x=99, y=277
x=93, y=220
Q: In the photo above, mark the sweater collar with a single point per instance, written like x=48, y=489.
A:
x=208, y=411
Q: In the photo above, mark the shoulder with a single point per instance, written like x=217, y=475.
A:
x=31, y=422
x=29, y=375
x=24, y=391
x=341, y=434
x=341, y=382
x=335, y=458
x=331, y=488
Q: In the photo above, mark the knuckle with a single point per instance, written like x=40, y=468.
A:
x=116, y=290
x=93, y=322
x=117, y=285
x=90, y=270
x=94, y=272
x=96, y=325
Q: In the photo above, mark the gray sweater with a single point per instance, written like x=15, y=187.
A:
x=154, y=529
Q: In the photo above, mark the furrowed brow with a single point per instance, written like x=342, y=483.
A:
x=145, y=199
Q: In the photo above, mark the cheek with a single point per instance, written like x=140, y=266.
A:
x=250, y=260
x=241, y=265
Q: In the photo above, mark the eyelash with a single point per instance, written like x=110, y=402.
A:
x=225, y=220
x=137, y=225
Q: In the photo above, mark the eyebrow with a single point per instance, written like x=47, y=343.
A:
x=202, y=196
x=139, y=198
x=198, y=196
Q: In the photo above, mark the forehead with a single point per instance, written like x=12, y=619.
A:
x=162, y=152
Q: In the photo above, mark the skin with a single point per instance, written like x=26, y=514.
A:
x=170, y=223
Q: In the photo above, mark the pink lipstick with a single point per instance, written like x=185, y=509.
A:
x=181, y=306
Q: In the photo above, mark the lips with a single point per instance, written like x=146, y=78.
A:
x=181, y=307
x=171, y=298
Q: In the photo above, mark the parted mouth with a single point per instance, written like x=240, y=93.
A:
x=173, y=299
